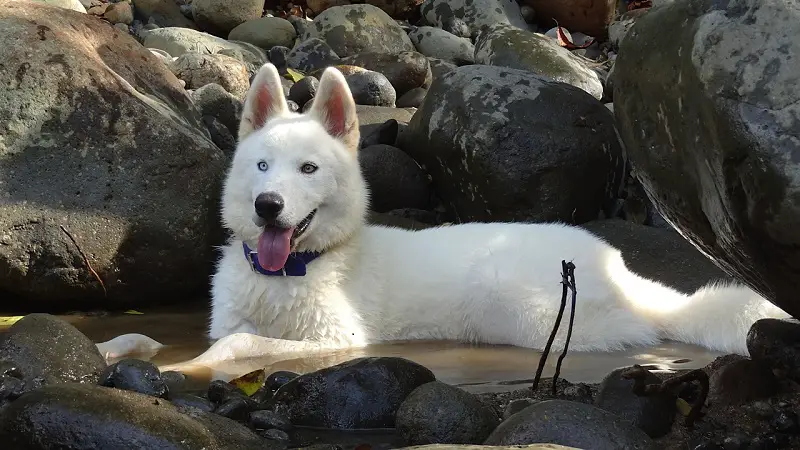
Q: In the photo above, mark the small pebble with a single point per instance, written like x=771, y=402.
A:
x=219, y=391
x=236, y=408
x=278, y=379
x=276, y=435
x=135, y=375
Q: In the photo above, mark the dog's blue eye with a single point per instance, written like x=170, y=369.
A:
x=262, y=166
x=308, y=168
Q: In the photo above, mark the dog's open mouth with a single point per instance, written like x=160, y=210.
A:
x=275, y=244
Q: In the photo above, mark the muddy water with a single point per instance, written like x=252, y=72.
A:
x=478, y=369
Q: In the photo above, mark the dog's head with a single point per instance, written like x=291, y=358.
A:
x=295, y=183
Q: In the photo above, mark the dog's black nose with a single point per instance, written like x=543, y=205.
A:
x=269, y=205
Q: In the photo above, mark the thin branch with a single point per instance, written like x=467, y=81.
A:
x=566, y=268
x=569, y=269
x=85, y=260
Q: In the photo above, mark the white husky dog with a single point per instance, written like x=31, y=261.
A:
x=304, y=272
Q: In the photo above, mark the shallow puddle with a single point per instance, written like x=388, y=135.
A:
x=475, y=368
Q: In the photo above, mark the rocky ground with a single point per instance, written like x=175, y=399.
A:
x=117, y=120
x=56, y=391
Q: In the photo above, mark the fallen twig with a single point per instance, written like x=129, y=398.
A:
x=85, y=259
x=567, y=282
x=638, y=373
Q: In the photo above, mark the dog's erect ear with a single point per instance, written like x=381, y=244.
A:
x=264, y=100
x=335, y=109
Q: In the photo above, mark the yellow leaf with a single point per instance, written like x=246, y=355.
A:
x=134, y=312
x=294, y=75
x=7, y=321
x=249, y=383
x=683, y=407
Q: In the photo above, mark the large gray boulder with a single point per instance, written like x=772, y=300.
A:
x=507, y=145
x=707, y=104
x=108, y=177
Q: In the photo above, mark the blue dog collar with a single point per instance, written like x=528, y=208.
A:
x=295, y=265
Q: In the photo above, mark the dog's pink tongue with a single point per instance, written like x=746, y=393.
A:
x=273, y=248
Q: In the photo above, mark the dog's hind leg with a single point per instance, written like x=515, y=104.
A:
x=247, y=345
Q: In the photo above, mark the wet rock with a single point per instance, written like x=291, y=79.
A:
x=265, y=32
x=474, y=13
x=219, y=17
x=361, y=393
x=137, y=376
x=166, y=13
x=87, y=416
x=268, y=420
x=405, y=70
x=198, y=70
x=775, y=343
x=591, y=18
x=370, y=88
x=437, y=413
x=41, y=345
x=277, y=379
x=741, y=381
x=706, y=102
x=652, y=414
x=395, y=180
x=312, y=54
x=569, y=423
x=221, y=391
x=522, y=156
x=213, y=100
x=192, y=401
x=354, y=29
x=412, y=98
x=236, y=407
x=437, y=43
x=505, y=46
x=516, y=405
x=304, y=90
x=125, y=188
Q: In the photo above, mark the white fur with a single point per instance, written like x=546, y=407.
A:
x=495, y=283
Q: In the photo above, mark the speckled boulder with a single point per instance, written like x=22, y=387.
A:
x=707, y=104
x=219, y=17
x=405, y=70
x=312, y=54
x=198, y=70
x=474, y=13
x=265, y=32
x=353, y=29
x=176, y=41
x=506, y=144
x=102, y=154
x=501, y=45
x=437, y=43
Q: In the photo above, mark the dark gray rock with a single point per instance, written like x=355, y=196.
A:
x=236, y=408
x=80, y=416
x=437, y=43
x=394, y=179
x=353, y=29
x=775, y=343
x=277, y=379
x=412, y=98
x=267, y=420
x=741, y=381
x=312, y=54
x=221, y=135
x=371, y=118
x=192, y=401
x=571, y=424
x=652, y=414
x=221, y=391
x=437, y=413
x=371, y=88
x=498, y=150
x=361, y=393
x=165, y=13
x=405, y=70
x=45, y=346
x=304, y=90
x=506, y=46
x=213, y=100
x=137, y=376
x=516, y=405
x=706, y=101
x=175, y=381
x=104, y=145
x=279, y=57
x=383, y=134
